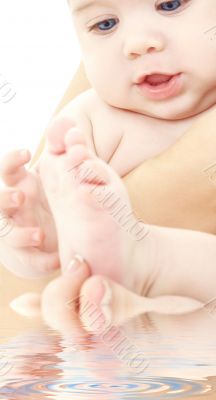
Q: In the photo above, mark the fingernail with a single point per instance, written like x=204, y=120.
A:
x=74, y=265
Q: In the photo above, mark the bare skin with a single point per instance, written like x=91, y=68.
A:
x=197, y=327
x=29, y=246
x=81, y=219
x=181, y=181
x=127, y=56
x=35, y=261
x=165, y=261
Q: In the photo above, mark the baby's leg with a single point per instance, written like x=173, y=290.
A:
x=156, y=261
x=187, y=263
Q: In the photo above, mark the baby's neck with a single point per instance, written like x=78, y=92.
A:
x=174, y=129
x=197, y=116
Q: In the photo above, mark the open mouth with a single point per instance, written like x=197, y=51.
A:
x=160, y=86
x=157, y=79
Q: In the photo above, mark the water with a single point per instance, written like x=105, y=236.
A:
x=149, y=357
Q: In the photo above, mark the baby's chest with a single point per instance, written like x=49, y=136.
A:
x=124, y=140
x=136, y=145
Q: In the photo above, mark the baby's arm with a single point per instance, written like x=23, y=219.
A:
x=177, y=188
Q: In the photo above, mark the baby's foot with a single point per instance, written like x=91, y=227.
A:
x=92, y=211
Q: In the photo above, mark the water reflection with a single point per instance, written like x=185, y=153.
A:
x=161, y=388
x=44, y=364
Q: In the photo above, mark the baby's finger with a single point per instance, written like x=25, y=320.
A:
x=10, y=198
x=45, y=264
x=20, y=237
x=12, y=166
x=28, y=263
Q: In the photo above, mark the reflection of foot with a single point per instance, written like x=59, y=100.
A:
x=91, y=209
x=105, y=302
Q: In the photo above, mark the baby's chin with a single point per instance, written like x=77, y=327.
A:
x=169, y=112
x=170, y=116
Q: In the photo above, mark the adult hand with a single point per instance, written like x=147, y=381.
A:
x=177, y=188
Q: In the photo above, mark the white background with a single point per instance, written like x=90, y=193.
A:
x=39, y=56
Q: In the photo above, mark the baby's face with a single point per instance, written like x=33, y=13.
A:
x=125, y=40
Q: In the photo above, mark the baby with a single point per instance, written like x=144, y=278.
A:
x=152, y=71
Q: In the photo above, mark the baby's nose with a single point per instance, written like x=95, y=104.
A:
x=139, y=44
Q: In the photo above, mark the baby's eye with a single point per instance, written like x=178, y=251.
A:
x=105, y=25
x=171, y=5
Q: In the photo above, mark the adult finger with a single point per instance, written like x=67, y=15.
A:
x=20, y=237
x=30, y=262
x=60, y=298
x=10, y=198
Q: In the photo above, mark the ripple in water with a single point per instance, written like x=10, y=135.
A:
x=160, y=388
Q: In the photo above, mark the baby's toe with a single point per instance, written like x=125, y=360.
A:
x=76, y=156
x=56, y=133
x=73, y=137
x=87, y=168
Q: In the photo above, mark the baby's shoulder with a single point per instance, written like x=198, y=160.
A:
x=108, y=125
x=79, y=104
x=78, y=110
x=100, y=121
x=92, y=106
x=106, y=128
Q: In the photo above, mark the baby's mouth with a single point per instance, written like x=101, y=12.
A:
x=157, y=79
x=158, y=86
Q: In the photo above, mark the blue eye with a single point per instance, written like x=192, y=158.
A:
x=105, y=25
x=170, y=5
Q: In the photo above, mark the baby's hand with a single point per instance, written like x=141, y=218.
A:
x=28, y=241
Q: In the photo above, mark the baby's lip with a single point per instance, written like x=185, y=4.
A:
x=155, y=77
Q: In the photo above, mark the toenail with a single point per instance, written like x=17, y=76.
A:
x=74, y=265
x=71, y=133
x=36, y=237
x=15, y=198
